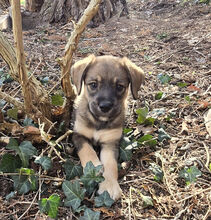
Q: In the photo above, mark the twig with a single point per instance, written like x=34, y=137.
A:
x=32, y=202
x=12, y=100
x=208, y=155
x=45, y=136
x=195, y=194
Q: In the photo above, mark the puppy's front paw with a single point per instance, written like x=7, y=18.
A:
x=112, y=187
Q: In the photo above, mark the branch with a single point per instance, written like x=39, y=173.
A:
x=10, y=99
x=21, y=60
x=72, y=44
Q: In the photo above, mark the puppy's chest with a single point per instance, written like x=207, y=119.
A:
x=102, y=136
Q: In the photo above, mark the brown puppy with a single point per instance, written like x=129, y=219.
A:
x=102, y=86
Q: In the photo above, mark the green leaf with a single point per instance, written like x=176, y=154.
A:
x=187, y=98
x=147, y=140
x=13, y=113
x=127, y=130
x=182, y=84
x=44, y=80
x=147, y=201
x=9, y=163
x=157, y=171
x=159, y=95
x=10, y=195
x=164, y=78
x=149, y=121
x=28, y=122
x=142, y=114
x=125, y=150
x=104, y=199
x=74, y=194
x=90, y=215
x=92, y=176
x=13, y=145
x=27, y=150
x=57, y=100
x=72, y=170
x=45, y=162
x=162, y=135
x=25, y=181
x=50, y=205
x=190, y=174
x=210, y=166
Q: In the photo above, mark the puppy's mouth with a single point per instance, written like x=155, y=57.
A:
x=103, y=115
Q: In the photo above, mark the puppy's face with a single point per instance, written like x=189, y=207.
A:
x=105, y=87
x=106, y=80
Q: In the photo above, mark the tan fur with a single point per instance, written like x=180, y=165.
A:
x=92, y=123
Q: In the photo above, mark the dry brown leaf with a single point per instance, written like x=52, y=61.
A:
x=31, y=130
x=184, y=128
x=207, y=121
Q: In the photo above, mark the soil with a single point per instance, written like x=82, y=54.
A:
x=164, y=38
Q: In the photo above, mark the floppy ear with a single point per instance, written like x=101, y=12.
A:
x=78, y=71
x=136, y=76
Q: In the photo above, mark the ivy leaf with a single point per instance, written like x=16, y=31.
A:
x=27, y=150
x=13, y=113
x=162, y=135
x=147, y=201
x=57, y=100
x=104, y=199
x=90, y=215
x=164, y=78
x=72, y=170
x=9, y=163
x=159, y=95
x=182, y=84
x=28, y=122
x=44, y=80
x=149, y=121
x=147, y=140
x=92, y=176
x=10, y=195
x=13, y=145
x=74, y=194
x=127, y=130
x=142, y=114
x=45, y=162
x=125, y=151
x=157, y=171
x=190, y=174
x=50, y=205
x=25, y=181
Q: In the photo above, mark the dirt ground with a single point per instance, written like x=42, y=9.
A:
x=162, y=37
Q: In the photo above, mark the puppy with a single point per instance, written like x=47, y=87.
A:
x=102, y=85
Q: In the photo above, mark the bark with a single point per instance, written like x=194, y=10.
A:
x=33, y=5
x=21, y=60
x=64, y=10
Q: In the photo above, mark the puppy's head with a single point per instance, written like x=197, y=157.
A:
x=106, y=80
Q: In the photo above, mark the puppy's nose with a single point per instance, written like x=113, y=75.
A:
x=105, y=106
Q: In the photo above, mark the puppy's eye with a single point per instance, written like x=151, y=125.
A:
x=93, y=85
x=120, y=88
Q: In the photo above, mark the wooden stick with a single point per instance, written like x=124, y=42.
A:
x=21, y=60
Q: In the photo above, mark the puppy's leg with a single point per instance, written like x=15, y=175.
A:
x=85, y=151
x=108, y=157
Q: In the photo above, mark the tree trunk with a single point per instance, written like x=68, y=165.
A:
x=64, y=10
x=33, y=5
